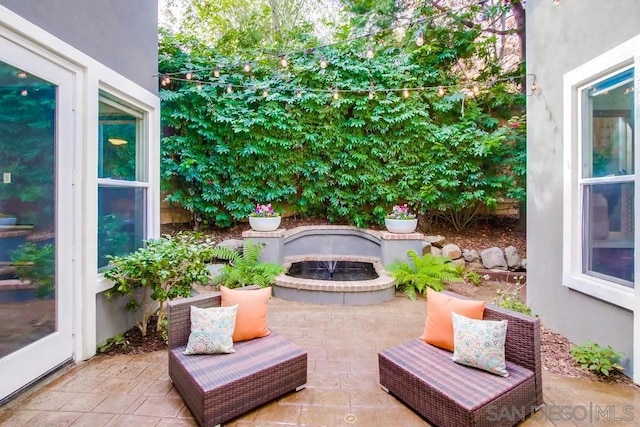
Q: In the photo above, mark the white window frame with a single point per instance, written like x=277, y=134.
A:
x=610, y=63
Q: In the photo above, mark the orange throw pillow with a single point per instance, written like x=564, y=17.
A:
x=251, y=319
x=438, y=329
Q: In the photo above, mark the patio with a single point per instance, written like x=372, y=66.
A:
x=342, y=343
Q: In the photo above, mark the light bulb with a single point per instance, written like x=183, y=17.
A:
x=556, y=3
x=247, y=67
x=163, y=81
x=370, y=52
x=405, y=93
x=283, y=61
x=24, y=92
x=265, y=92
x=21, y=75
x=229, y=88
x=299, y=93
x=336, y=94
x=216, y=72
x=534, y=87
x=476, y=89
x=440, y=91
x=199, y=86
x=323, y=63
x=372, y=94
x=188, y=75
x=419, y=39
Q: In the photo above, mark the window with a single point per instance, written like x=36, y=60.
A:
x=607, y=179
x=600, y=106
x=122, y=179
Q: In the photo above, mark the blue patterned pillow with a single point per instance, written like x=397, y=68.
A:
x=480, y=343
x=212, y=330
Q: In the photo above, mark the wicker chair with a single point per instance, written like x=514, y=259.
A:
x=448, y=394
x=220, y=387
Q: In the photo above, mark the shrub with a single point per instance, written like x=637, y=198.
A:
x=509, y=297
x=37, y=265
x=427, y=271
x=245, y=268
x=595, y=358
x=163, y=270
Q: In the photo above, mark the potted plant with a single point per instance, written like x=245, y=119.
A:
x=8, y=219
x=400, y=220
x=264, y=218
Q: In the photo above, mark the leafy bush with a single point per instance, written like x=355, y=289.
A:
x=474, y=277
x=116, y=341
x=163, y=270
x=427, y=271
x=245, y=268
x=37, y=265
x=595, y=358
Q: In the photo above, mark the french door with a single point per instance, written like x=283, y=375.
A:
x=36, y=216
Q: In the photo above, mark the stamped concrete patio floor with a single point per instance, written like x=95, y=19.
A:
x=342, y=389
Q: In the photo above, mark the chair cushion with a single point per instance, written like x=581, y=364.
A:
x=480, y=343
x=468, y=387
x=438, y=329
x=253, y=304
x=211, y=330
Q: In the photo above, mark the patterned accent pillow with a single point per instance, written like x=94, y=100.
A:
x=480, y=343
x=212, y=330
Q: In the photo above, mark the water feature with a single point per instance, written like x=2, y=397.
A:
x=334, y=270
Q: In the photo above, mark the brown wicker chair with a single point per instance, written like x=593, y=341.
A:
x=220, y=387
x=448, y=394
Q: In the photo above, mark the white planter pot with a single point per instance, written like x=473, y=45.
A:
x=8, y=220
x=401, y=225
x=264, y=223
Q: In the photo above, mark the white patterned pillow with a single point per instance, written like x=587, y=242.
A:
x=212, y=330
x=480, y=343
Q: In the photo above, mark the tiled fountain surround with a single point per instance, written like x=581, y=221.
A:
x=332, y=243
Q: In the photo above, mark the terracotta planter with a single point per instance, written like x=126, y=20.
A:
x=401, y=225
x=259, y=223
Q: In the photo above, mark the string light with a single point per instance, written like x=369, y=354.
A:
x=405, y=93
x=476, y=89
x=534, y=87
x=199, y=86
x=336, y=94
x=24, y=92
x=216, y=72
x=189, y=75
x=372, y=93
x=440, y=91
x=265, y=92
x=299, y=93
x=247, y=67
x=283, y=61
x=556, y=3
x=229, y=88
x=419, y=38
x=370, y=52
x=323, y=63
x=21, y=75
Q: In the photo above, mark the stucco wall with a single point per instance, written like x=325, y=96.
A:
x=559, y=40
x=121, y=34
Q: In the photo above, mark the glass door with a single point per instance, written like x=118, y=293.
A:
x=36, y=223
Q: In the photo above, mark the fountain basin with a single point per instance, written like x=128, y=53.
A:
x=346, y=292
x=333, y=270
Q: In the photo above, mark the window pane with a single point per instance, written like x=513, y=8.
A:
x=120, y=221
x=609, y=231
x=117, y=143
x=610, y=114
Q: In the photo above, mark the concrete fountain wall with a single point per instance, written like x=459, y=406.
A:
x=332, y=243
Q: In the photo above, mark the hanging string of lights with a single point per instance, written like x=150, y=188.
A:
x=469, y=89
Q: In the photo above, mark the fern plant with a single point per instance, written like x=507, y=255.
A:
x=427, y=271
x=245, y=268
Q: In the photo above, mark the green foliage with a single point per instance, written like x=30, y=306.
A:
x=36, y=264
x=245, y=268
x=116, y=341
x=427, y=271
x=595, y=358
x=163, y=270
x=509, y=297
x=350, y=159
x=474, y=277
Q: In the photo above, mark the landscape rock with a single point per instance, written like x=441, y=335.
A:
x=476, y=265
x=460, y=262
x=232, y=244
x=493, y=258
x=513, y=259
x=471, y=255
x=426, y=248
x=437, y=241
x=451, y=251
x=435, y=251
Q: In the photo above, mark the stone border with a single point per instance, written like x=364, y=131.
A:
x=357, y=292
